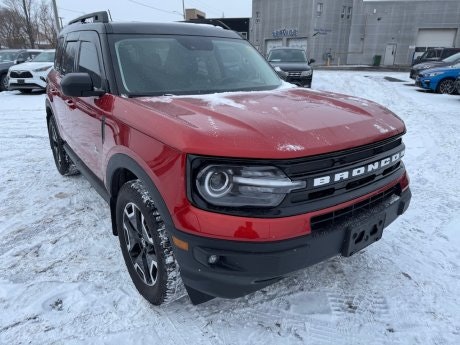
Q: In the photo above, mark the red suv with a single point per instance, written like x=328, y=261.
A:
x=217, y=173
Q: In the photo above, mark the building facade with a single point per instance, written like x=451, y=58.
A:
x=355, y=31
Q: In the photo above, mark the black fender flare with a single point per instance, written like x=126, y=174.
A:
x=122, y=161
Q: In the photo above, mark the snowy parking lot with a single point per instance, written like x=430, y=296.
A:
x=63, y=279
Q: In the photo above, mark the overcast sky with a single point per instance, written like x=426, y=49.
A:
x=153, y=10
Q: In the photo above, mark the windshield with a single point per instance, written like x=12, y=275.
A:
x=287, y=55
x=44, y=57
x=452, y=58
x=8, y=56
x=184, y=65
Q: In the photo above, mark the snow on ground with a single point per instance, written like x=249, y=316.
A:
x=63, y=280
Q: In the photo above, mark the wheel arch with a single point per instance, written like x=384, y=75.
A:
x=121, y=169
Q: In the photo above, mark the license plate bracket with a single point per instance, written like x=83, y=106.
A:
x=21, y=81
x=359, y=237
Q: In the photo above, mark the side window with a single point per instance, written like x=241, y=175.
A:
x=32, y=55
x=68, y=60
x=59, y=53
x=89, y=63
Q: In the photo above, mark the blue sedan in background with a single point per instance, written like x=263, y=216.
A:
x=441, y=80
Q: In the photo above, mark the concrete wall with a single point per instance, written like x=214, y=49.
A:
x=356, y=40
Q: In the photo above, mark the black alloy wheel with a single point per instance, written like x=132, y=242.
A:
x=3, y=82
x=145, y=245
x=447, y=86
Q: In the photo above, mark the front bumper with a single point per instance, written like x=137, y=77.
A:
x=424, y=83
x=414, y=73
x=300, y=81
x=35, y=82
x=244, y=267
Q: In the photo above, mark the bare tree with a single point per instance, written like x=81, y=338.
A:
x=46, y=26
x=11, y=32
x=27, y=23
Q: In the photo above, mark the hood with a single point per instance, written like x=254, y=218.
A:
x=30, y=66
x=291, y=66
x=444, y=69
x=276, y=124
x=431, y=64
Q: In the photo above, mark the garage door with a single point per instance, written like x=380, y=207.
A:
x=298, y=43
x=270, y=44
x=436, y=37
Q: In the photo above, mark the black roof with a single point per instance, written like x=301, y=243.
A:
x=152, y=28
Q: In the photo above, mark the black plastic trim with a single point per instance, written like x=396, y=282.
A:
x=97, y=184
x=245, y=267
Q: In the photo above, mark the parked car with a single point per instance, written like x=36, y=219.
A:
x=435, y=54
x=10, y=57
x=31, y=75
x=222, y=170
x=441, y=80
x=292, y=65
x=449, y=61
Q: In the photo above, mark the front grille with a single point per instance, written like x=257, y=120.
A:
x=20, y=74
x=328, y=220
x=294, y=74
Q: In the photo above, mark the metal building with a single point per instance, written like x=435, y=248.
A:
x=355, y=31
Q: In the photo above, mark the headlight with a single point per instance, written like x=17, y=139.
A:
x=278, y=69
x=239, y=185
x=42, y=69
x=306, y=73
x=434, y=74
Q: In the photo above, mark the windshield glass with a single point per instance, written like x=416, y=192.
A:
x=287, y=55
x=184, y=65
x=452, y=58
x=44, y=57
x=8, y=56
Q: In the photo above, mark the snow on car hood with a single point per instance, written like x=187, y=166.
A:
x=30, y=66
x=276, y=124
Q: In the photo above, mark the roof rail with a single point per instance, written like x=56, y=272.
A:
x=98, y=17
x=215, y=22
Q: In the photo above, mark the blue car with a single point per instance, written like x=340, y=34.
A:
x=441, y=79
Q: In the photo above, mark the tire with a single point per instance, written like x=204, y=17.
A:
x=446, y=86
x=25, y=91
x=145, y=245
x=3, y=82
x=63, y=162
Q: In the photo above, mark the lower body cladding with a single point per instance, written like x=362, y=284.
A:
x=229, y=269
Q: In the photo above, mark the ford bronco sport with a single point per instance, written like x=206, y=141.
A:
x=218, y=174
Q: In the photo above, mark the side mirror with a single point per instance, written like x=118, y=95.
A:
x=79, y=85
x=311, y=61
x=18, y=61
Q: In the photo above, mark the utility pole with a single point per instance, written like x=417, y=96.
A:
x=56, y=17
x=183, y=9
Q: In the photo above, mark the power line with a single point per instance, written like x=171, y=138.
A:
x=155, y=8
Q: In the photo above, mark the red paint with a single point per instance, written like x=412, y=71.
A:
x=158, y=133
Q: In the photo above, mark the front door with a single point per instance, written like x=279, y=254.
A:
x=390, y=54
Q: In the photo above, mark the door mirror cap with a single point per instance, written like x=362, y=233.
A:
x=18, y=61
x=311, y=61
x=79, y=85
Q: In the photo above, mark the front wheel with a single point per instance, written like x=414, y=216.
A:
x=145, y=245
x=3, y=82
x=446, y=86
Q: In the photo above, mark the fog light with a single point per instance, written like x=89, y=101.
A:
x=213, y=259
